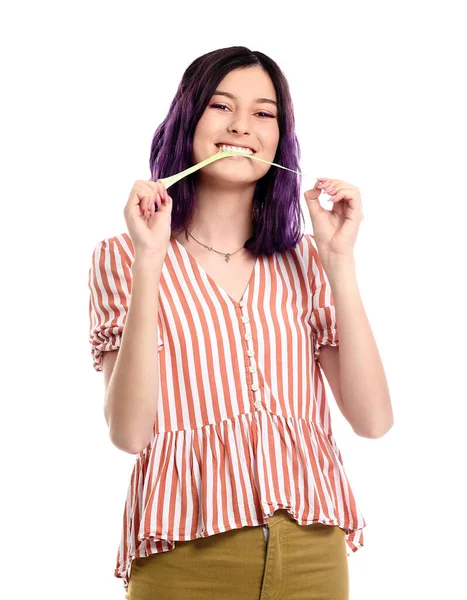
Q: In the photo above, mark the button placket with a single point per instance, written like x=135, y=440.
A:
x=248, y=337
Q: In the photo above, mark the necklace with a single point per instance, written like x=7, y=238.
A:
x=227, y=256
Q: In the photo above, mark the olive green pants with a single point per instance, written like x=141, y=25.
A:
x=291, y=562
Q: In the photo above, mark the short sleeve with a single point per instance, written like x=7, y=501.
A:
x=109, y=282
x=323, y=314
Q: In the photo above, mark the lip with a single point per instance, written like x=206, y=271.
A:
x=236, y=145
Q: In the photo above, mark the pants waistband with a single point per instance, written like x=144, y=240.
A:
x=277, y=517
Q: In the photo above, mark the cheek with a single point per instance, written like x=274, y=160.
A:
x=206, y=124
x=272, y=141
x=276, y=138
x=204, y=135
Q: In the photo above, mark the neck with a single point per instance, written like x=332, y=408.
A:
x=223, y=216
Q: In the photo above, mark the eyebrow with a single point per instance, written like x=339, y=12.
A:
x=229, y=95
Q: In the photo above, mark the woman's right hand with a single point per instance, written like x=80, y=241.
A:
x=150, y=230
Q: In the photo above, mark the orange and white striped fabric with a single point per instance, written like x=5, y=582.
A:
x=243, y=426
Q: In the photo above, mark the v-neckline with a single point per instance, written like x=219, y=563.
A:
x=201, y=269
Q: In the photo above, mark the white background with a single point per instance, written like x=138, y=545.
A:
x=379, y=94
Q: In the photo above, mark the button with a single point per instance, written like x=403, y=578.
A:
x=250, y=353
x=248, y=336
x=242, y=303
x=245, y=319
x=255, y=387
x=253, y=369
x=258, y=403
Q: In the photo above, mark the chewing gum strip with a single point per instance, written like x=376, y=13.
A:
x=168, y=181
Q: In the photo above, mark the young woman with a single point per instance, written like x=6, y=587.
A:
x=213, y=321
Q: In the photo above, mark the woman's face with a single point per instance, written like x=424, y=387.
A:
x=252, y=121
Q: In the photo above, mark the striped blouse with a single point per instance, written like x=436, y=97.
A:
x=243, y=427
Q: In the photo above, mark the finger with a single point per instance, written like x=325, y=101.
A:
x=140, y=193
x=153, y=205
x=351, y=205
x=333, y=189
x=340, y=195
x=153, y=185
x=338, y=210
x=338, y=184
x=346, y=190
x=159, y=186
x=147, y=205
x=158, y=198
x=333, y=186
x=148, y=189
x=327, y=189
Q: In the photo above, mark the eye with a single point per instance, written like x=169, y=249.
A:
x=258, y=113
x=218, y=105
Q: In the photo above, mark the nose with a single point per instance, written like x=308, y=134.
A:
x=239, y=126
x=238, y=131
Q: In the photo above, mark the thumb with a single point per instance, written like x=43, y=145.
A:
x=312, y=200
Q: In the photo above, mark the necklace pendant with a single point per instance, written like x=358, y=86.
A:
x=227, y=257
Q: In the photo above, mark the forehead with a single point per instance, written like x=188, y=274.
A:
x=248, y=84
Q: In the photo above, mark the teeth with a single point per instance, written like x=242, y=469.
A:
x=236, y=149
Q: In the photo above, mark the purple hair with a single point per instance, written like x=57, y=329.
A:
x=276, y=206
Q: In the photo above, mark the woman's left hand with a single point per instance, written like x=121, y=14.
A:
x=335, y=231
